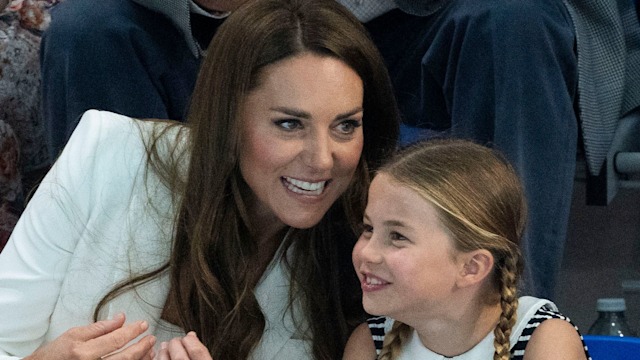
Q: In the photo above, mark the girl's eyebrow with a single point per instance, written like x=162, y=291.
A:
x=395, y=223
x=398, y=223
x=305, y=115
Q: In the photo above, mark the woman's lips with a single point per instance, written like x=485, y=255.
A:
x=304, y=187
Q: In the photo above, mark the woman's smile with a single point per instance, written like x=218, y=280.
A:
x=315, y=188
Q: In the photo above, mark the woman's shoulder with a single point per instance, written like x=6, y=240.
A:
x=114, y=130
x=110, y=120
x=111, y=146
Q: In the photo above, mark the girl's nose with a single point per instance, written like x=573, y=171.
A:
x=368, y=251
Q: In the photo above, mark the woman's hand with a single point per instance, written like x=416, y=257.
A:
x=186, y=348
x=101, y=340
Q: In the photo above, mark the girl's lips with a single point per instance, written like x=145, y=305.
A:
x=371, y=283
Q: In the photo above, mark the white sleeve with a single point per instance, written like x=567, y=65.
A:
x=34, y=262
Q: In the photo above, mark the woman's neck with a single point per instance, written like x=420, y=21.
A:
x=267, y=249
x=461, y=329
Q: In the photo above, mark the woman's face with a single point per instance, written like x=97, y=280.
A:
x=405, y=258
x=301, y=138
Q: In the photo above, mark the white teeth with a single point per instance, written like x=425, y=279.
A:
x=373, y=281
x=304, y=187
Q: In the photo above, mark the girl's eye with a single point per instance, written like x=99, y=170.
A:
x=348, y=127
x=367, y=229
x=396, y=236
x=289, y=124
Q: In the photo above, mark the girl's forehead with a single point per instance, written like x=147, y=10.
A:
x=390, y=199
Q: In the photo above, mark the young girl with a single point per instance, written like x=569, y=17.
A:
x=439, y=259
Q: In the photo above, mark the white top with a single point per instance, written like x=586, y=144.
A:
x=88, y=227
x=527, y=308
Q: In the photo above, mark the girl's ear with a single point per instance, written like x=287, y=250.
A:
x=475, y=267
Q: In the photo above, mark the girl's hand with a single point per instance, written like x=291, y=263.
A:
x=186, y=348
x=101, y=340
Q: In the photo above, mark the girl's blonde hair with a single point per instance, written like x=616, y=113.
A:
x=480, y=200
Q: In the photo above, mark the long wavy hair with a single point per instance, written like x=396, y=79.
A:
x=212, y=265
x=480, y=200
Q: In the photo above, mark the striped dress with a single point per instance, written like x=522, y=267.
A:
x=531, y=313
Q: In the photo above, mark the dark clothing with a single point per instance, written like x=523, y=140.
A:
x=113, y=55
x=503, y=73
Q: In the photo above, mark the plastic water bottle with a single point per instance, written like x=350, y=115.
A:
x=611, y=320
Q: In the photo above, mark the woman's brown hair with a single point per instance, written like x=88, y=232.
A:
x=214, y=252
x=480, y=200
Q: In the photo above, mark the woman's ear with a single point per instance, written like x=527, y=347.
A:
x=475, y=266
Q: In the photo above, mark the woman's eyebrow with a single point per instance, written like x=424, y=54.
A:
x=305, y=115
x=292, y=112
x=350, y=113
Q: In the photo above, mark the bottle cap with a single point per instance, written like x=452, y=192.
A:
x=611, y=304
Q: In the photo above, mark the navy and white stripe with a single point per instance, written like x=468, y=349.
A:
x=544, y=313
x=377, y=328
x=378, y=325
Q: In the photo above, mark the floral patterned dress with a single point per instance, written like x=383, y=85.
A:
x=23, y=149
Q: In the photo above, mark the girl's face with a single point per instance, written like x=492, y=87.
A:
x=404, y=257
x=301, y=138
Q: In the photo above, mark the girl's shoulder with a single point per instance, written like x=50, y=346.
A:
x=542, y=327
x=532, y=313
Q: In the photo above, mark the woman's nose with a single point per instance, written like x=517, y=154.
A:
x=319, y=152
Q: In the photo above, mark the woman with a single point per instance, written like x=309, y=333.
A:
x=236, y=226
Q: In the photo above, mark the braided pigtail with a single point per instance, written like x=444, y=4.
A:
x=507, y=278
x=393, y=341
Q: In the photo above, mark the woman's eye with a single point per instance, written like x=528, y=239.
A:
x=366, y=229
x=289, y=124
x=348, y=127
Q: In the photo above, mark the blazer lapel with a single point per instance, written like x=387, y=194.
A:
x=272, y=294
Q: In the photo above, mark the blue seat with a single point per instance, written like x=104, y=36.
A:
x=613, y=347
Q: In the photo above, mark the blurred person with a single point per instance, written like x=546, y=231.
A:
x=134, y=57
x=539, y=80
x=24, y=156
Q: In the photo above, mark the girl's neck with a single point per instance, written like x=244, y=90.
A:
x=461, y=329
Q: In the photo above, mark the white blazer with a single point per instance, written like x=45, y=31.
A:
x=97, y=218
